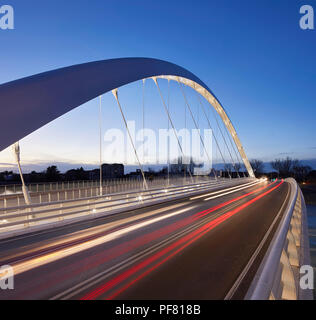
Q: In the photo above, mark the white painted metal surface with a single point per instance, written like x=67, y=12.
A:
x=30, y=103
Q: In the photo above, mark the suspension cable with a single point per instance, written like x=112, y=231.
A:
x=115, y=93
x=239, y=160
x=144, y=119
x=233, y=147
x=100, y=145
x=233, y=162
x=196, y=126
x=144, y=80
x=185, y=141
x=168, y=142
x=216, y=141
x=171, y=122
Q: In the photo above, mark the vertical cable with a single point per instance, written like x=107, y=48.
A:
x=168, y=142
x=234, y=149
x=196, y=126
x=209, y=124
x=185, y=141
x=171, y=122
x=100, y=128
x=115, y=93
x=144, y=80
x=233, y=162
x=239, y=160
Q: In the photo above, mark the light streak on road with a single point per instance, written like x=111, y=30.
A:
x=237, y=188
x=178, y=246
x=39, y=261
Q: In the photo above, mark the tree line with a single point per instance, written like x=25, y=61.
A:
x=284, y=168
x=51, y=174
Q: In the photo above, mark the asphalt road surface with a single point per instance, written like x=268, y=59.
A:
x=193, y=248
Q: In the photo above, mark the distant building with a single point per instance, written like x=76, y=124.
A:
x=94, y=174
x=112, y=171
x=109, y=171
x=76, y=174
x=180, y=167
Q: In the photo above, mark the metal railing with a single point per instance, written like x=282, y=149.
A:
x=67, y=211
x=8, y=189
x=12, y=195
x=278, y=277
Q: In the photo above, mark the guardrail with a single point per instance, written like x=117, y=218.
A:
x=8, y=189
x=68, y=211
x=278, y=277
x=50, y=192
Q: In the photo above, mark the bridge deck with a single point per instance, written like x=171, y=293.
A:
x=186, y=249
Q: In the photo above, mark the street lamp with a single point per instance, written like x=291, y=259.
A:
x=16, y=151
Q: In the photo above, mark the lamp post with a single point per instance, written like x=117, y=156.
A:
x=16, y=151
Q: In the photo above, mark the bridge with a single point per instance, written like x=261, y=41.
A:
x=217, y=235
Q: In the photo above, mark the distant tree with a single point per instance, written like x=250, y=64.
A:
x=76, y=174
x=52, y=174
x=276, y=165
x=301, y=172
x=257, y=166
x=9, y=176
x=163, y=171
x=228, y=167
x=311, y=177
x=82, y=175
x=284, y=166
x=34, y=177
x=237, y=167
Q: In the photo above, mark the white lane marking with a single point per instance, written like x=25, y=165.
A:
x=101, y=276
x=220, y=191
x=36, y=262
x=60, y=240
x=83, y=285
x=224, y=194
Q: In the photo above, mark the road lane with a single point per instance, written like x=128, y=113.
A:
x=21, y=247
x=69, y=275
x=208, y=268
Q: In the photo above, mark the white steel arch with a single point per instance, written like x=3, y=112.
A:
x=30, y=103
x=222, y=113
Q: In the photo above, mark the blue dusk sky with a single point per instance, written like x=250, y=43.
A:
x=252, y=54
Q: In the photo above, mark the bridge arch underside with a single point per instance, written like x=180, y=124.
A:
x=30, y=103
